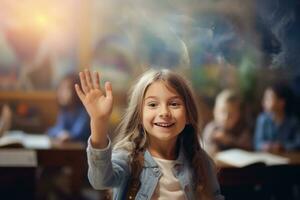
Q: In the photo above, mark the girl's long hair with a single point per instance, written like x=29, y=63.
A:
x=132, y=137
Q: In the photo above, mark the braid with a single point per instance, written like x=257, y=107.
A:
x=137, y=164
x=197, y=159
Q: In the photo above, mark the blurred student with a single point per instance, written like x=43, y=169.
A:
x=72, y=121
x=276, y=128
x=5, y=119
x=73, y=124
x=228, y=129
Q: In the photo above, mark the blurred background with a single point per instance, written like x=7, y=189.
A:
x=216, y=44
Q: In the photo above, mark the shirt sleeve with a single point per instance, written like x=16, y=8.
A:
x=293, y=142
x=209, y=144
x=106, y=169
x=259, y=138
x=244, y=140
x=55, y=130
x=80, y=129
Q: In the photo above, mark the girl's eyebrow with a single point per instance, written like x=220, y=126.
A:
x=176, y=97
x=155, y=97
x=150, y=97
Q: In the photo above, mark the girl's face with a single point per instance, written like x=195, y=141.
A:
x=164, y=113
x=64, y=93
x=271, y=103
x=227, y=115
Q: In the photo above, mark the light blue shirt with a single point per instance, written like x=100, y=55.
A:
x=267, y=131
x=110, y=169
x=77, y=123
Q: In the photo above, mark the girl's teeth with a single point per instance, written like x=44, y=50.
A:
x=163, y=125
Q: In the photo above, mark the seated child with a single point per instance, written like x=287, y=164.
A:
x=276, y=128
x=72, y=121
x=227, y=130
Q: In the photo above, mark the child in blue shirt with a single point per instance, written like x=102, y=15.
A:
x=276, y=128
x=73, y=122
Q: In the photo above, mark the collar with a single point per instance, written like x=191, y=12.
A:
x=150, y=162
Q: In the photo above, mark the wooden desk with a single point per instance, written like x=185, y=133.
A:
x=71, y=154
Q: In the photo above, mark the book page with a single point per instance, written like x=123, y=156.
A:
x=242, y=158
x=271, y=159
x=11, y=138
x=30, y=141
x=237, y=157
x=34, y=141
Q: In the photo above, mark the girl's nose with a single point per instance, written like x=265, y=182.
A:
x=164, y=112
x=227, y=116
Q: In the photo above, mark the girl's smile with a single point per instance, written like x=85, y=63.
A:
x=164, y=124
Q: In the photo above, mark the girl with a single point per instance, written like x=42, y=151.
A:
x=157, y=154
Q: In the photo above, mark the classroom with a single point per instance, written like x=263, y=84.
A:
x=239, y=57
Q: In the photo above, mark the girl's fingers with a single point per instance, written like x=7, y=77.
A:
x=83, y=82
x=108, y=90
x=79, y=92
x=89, y=80
x=96, y=80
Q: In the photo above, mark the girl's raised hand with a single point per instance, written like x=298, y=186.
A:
x=98, y=102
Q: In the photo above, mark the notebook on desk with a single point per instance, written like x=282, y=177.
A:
x=26, y=140
x=242, y=158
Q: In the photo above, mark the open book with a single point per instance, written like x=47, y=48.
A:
x=241, y=158
x=21, y=139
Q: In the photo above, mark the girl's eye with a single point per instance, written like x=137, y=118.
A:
x=175, y=104
x=152, y=104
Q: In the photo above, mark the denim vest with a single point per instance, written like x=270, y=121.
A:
x=109, y=169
